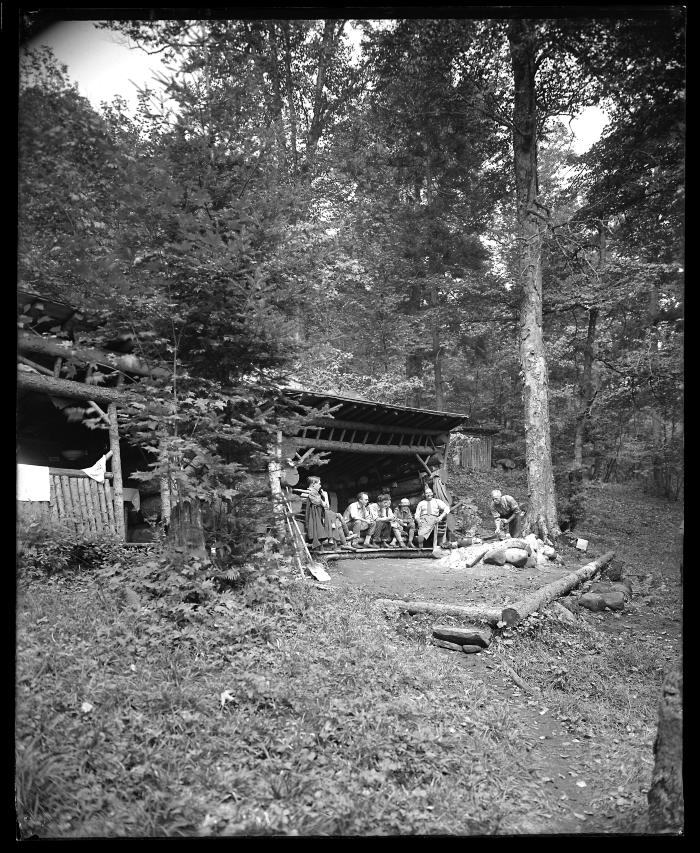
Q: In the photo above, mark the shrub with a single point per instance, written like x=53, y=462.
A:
x=46, y=548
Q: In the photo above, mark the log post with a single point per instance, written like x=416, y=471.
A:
x=274, y=467
x=116, y=470
x=515, y=613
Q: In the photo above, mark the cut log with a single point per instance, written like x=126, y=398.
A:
x=514, y=613
x=665, y=797
x=463, y=636
x=488, y=615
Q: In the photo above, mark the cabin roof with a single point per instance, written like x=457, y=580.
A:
x=383, y=414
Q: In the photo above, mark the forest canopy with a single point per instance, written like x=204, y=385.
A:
x=334, y=204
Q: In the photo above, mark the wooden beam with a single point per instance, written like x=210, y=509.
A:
x=384, y=428
x=73, y=472
x=116, y=470
x=115, y=361
x=68, y=388
x=353, y=447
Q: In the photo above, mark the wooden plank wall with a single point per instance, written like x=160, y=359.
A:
x=83, y=505
x=475, y=452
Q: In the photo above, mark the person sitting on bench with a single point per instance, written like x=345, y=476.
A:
x=388, y=529
x=429, y=513
x=360, y=520
x=407, y=523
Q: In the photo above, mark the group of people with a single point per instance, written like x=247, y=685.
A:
x=372, y=524
x=366, y=524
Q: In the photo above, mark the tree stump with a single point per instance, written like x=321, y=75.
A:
x=665, y=795
x=185, y=530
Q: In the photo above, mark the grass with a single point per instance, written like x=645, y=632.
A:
x=339, y=719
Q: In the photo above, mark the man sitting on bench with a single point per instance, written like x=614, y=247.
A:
x=359, y=519
x=429, y=513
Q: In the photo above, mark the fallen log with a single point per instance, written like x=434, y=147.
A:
x=515, y=613
x=489, y=615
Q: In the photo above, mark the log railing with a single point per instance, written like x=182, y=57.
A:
x=78, y=502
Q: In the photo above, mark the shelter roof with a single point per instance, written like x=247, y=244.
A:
x=382, y=414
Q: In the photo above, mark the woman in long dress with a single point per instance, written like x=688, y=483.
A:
x=317, y=514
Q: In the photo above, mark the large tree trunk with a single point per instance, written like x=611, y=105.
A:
x=666, y=808
x=542, y=511
x=587, y=391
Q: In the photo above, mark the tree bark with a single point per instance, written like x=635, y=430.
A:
x=489, y=615
x=186, y=530
x=665, y=797
x=116, y=471
x=289, y=84
x=319, y=102
x=542, y=511
x=587, y=391
x=515, y=613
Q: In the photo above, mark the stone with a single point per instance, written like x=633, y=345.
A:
x=516, y=556
x=517, y=543
x=605, y=587
x=562, y=613
x=531, y=562
x=469, y=635
x=549, y=552
x=582, y=544
x=592, y=601
x=497, y=557
x=614, y=600
x=468, y=649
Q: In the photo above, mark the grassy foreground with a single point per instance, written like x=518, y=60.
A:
x=279, y=708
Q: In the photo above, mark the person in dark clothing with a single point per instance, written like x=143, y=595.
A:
x=318, y=527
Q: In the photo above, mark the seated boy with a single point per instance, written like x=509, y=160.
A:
x=404, y=518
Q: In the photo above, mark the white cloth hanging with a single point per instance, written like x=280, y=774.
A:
x=33, y=483
x=97, y=471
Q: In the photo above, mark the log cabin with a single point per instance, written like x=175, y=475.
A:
x=366, y=445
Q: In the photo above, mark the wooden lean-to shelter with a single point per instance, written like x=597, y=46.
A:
x=50, y=419
x=366, y=446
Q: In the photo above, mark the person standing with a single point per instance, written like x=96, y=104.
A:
x=429, y=513
x=316, y=514
x=506, y=513
x=360, y=520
